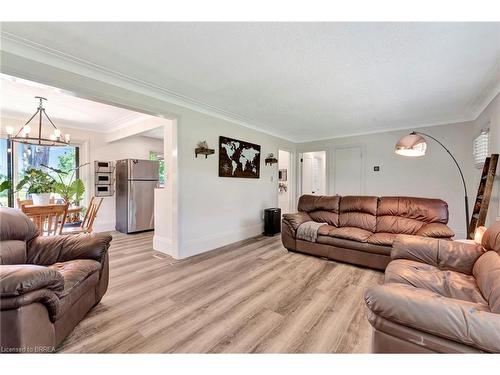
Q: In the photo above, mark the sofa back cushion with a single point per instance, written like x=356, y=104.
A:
x=12, y=252
x=359, y=212
x=14, y=225
x=487, y=273
x=322, y=209
x=406, y=215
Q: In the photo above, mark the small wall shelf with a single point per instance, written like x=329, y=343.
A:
x=271, y=160
x=203, y=151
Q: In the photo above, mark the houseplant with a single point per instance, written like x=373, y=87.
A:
x=40, y=185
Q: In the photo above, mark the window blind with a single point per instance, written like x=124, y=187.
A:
x=481, y=147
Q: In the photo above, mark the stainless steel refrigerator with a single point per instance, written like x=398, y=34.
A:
x=135, y=183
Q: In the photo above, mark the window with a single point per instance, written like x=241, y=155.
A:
x=33, y=156
x=159, y=156
x=481, y=147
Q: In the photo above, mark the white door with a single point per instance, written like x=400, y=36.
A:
x=313, y=173
x=348, y=171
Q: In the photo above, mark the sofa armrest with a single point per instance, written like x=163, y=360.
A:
x=444, y=254
x=436, y=230
x=19, y=279
x=296, y=219
x=50, y=250
x=466, y=322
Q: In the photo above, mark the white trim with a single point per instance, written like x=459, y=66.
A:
x=199, y=245
x=164, y=245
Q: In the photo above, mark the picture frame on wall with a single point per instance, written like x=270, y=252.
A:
x=238, y=158
x=282, y=175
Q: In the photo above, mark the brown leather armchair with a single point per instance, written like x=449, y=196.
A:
x=439, y=296
x=47, y=284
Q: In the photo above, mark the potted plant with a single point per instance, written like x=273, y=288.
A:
x=70, y=189
x=40, y=185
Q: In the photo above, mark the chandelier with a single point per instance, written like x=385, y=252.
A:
x=24, y=135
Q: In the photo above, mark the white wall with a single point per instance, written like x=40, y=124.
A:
x=433, y=175
x=214, y=210
x=490, y=118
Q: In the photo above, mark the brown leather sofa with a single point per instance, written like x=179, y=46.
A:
x=47, y=284
x=362, y=229
x=438, y=297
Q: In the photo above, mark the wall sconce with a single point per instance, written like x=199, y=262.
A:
x=271, y=159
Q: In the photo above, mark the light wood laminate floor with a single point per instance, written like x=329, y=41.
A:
x=253, y=296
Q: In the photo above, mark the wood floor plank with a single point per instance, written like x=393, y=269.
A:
x=251, y=296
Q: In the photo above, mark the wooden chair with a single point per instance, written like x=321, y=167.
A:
x=88, y=220
x=49, y=219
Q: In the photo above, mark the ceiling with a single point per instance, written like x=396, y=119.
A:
x=18, y=102
x=302, y=81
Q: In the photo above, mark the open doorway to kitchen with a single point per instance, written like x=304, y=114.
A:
x=313, y=173
x=102, y=133
x=285, y=186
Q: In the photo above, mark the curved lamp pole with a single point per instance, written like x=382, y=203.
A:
x=414, y=145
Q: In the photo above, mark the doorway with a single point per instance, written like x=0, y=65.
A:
x=313, y=179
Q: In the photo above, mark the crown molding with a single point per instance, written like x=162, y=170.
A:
x=17, y=45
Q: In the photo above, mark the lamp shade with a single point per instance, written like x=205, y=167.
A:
x=412, y=145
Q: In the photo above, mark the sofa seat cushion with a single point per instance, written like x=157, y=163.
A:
x=350, y=233
x=448, y=284
x=384, y=239
x=354, y=245
x=487, y=273
x=75, y=272
x=325, y=230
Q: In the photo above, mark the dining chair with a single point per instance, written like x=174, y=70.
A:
x=49, y=219
x=88, y=221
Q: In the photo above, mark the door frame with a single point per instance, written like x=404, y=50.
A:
x=362, y=147
x=290, y=176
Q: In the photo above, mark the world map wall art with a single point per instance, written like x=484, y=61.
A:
x=238, y=158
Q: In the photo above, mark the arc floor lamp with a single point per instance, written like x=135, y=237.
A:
x=414, y=145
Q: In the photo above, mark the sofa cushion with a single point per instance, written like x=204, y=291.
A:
x=350, y=233
x=384, y=239
x=14, y=225
x=406, y=215
x=354, y=245
x=487, y=273
x=308, y=203
x=12, y=252
x=491, y=238
x=328, y=217
x=466, y=322
x=359, y=212
x=446, y=283
x=74, y=272
x=435, y=230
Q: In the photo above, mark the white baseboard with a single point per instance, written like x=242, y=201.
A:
x=165, y=245
x=106, y=226
x=203, y=244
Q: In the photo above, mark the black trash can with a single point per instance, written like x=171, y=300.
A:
x=272, y=221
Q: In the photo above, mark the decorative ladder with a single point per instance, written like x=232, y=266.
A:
x=483, y=194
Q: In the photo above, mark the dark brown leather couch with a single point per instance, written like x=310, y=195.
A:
x=362, y=229
x=47, y=284
x=438, y=297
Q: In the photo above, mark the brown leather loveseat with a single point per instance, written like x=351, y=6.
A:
x=47, y=284
x=361, y=229
x=439, y=296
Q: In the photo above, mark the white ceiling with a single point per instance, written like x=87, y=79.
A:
x=302, y=81
x=18, y=102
